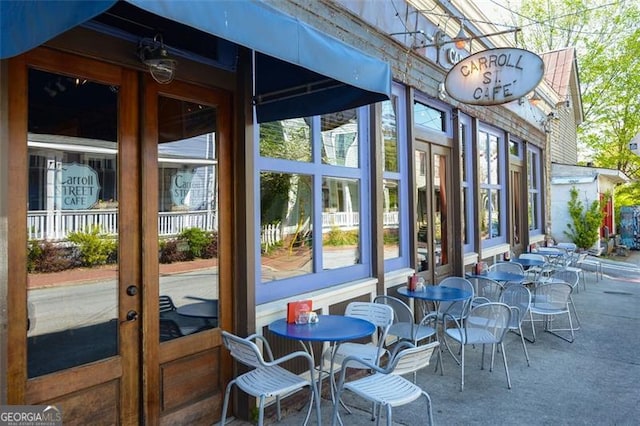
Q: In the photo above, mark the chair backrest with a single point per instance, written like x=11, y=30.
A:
x=243, y=350
x=518, y=298
x=169, y=330
x=166, y=304
x=401, y=311
x=486, y=288
x=413, y=359
x=512, y=267
x=381, y=315
x=552, y=296
x=568, y=276
x=458, y=309
x=493, y=319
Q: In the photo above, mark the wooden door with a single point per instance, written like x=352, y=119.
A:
x=517, y=210
x=433, y=211
x=84, y=320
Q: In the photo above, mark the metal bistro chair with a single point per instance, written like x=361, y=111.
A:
x=551, y=300
x=486, y=289
x=485, y=324
x=268, y=378
x=386, y=387
x=404, y=327
x=518, y=298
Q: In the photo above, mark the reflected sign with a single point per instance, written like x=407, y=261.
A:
x=495, y=76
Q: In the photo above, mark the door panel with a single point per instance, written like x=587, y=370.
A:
x=186, y=179
x=82, y=328
x=433, y=226
x=516, y=212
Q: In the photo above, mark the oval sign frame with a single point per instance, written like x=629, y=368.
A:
x=495, y=76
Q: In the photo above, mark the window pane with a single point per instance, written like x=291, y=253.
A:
x=390, y=135
x=463, y=152
x=287, y=139
x=341, y=224
x=533, y=209
x=465, y=236
x=514, y=148
x=72, y=218
x=286, y=223
x=483, y=158
x=340, y=138
x=428, y=117
x=495, y=214
x=484, y=213
x=422, y=213
x=493, y=161
x=187, y=217
x=440, y=208
x=391, y=222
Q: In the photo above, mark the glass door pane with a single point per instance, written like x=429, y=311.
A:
x=422, y=211
x=187, y=217
x=72, y=222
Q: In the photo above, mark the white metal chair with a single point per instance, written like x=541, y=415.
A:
x=459, y=309
x=533, y=273
x=386, y=387
x=511, y=267
x=404, y=326
x=267, y=378
x=551, y=300
x=486, y=288
x=518, y=298
x=485, y=324
x=381, y=315
x=571, y=277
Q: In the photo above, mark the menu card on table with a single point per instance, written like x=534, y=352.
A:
x=294, y=309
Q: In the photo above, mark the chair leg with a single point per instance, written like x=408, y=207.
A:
x=524, y=346
x=429, y=410
x=506, y=368
x=575, y=313
x=225, y=403
x=261, y=412
x=462, y=367
x=388, y=415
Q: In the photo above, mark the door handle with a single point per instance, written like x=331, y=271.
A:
x=131, y=316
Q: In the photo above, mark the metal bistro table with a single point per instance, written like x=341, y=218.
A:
x=502, y=276
x=437, y=294
x=333, y=329
x=528, y=263
x=208, y=311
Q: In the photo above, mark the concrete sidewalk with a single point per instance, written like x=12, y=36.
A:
x=593, y=381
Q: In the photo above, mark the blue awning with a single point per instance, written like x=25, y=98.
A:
x=299, y=71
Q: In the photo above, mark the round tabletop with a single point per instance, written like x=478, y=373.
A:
x=199, y=309
x=528, y=262
x=436, y=293
x=329, y=328
x=504, y=276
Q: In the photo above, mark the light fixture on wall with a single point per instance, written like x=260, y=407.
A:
x=460, y=40
x=155, y=56
x=535, y=99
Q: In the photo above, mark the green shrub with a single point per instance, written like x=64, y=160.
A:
x=338, y=237
x=585, y=229
x=197, y=239
x=95, y=248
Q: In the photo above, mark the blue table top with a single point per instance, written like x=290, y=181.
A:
x=528, y=262
x=503, y=276
x=329, y=328
x=436, y=293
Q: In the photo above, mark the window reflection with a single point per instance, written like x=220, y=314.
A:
x=286, y=139
x=341, y=227
x=286, y=223
x=491, y=182
x=391, y=218
x=429, y=117
x=187, y=217
x=340, y=138
x=72, y=218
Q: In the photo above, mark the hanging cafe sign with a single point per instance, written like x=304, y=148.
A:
x=495, y=76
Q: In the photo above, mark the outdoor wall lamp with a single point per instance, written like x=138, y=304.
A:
x=154, y=55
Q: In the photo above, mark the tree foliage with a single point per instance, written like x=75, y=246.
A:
x=586, y=221
x=606, y=36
